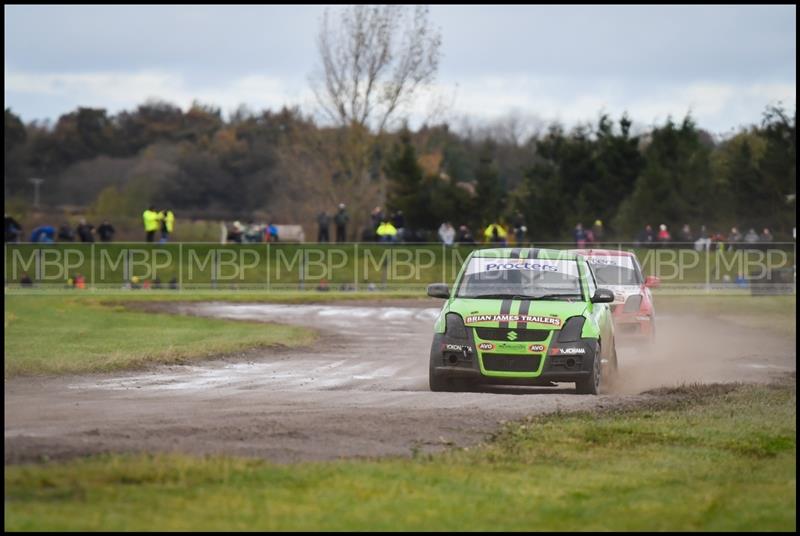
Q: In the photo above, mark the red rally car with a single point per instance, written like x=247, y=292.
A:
x=632, y=310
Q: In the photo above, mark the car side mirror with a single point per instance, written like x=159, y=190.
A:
x=652, y=281
x=603, y=295
x=438, y=290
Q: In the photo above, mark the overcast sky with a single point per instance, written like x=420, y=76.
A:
x=722, y=63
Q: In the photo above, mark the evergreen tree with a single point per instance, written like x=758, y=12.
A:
x=490, y=194
x=406, y=190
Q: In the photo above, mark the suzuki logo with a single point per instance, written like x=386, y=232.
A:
x=512, y=336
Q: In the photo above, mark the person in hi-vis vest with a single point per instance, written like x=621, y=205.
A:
x=151, y=219
x=167, y=223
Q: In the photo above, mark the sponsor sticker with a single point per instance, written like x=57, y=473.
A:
x=456, y=348
x=536, y=348
x=483, y=265
x=489, y=319
x=572, y=351
x=486, y=346
x=609, y=260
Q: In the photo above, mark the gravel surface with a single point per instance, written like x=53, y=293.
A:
x=360, y=391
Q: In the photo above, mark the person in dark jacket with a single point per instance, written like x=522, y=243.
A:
x=323, y=222
x=341, y=220
x=85, y=231
x=13, y=229
x=106, y=231
x=65, y=233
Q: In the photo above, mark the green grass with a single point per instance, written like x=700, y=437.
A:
x=713, y=458
x=69, y=334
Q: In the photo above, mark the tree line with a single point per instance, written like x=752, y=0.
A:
x=286, y=165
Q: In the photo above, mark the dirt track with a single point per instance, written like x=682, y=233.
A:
x=360, y=391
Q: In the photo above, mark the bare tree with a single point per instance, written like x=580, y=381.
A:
x=374, y=61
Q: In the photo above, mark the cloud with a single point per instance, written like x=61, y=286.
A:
x=716, y=106
x=116, y=91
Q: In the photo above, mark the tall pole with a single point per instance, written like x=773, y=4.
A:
x=36, y=183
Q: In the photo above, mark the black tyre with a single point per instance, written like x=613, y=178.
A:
x=438, y=383
x=591, y=385
x=611, y=370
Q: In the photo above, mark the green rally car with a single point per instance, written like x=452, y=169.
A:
x=523, y=316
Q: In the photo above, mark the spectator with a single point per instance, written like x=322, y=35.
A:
x=447, y=233
x=237, y=232
x=751, y=238
x=272, y=232
x=167, y=219
x=43, y=234
x=376, y=217
x=734, y=238
x=13, y=229
x=323, y=223
x=740, y=280
x=386, y=232
x=598, y=231
x=173, y=283
x=645, y=236
x=663, y=235
x=495, y=233
x=65, y=233
x=252, y=232
x=465, y=235
x=25, y=281
x=80, y=281
x=766, y=236
x=157, y=283
x=580, y=235
x=718, y=242
x=106, y=231
x=340, y=219
x=704, y=242
x=151, y=223
x=85, y=231
x=686, y=235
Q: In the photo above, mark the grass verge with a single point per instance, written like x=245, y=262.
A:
x=705, y=458
x=67, y=334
